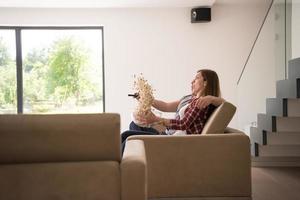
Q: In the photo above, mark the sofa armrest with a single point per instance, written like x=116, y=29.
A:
x=198, y=165
x=231, y=130
x=133, y=171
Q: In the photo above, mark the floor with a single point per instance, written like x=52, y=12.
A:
x=276, y=183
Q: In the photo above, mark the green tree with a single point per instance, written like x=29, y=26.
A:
x=36, y=59
x=35, y=65
x=4, y=55
x=67, y=64
x=8, y=87
x=7, y=78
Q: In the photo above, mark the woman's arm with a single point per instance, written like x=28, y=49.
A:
x=164, y=106
x=190, y=116
x=203, y=102
x=217, y=101
x=192, y=113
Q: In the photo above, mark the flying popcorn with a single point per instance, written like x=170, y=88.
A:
x=145, y=95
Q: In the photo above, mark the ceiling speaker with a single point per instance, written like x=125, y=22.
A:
x=200, y=14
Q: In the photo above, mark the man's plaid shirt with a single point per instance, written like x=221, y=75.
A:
x=194, y=118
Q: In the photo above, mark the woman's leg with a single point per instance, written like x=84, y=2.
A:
x=126, y=134
x=134, y=127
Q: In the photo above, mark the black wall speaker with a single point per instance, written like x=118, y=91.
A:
x=201, y=14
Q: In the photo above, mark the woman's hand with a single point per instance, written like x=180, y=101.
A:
x=203, y=102
x=150, y=118
x=147, y=119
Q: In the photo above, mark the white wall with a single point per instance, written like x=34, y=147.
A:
x=259, y=78
x=267, y=62
x=162, y=44
x=295, y=29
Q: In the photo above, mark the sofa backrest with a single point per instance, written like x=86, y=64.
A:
x=59, y=138
x=219, y=119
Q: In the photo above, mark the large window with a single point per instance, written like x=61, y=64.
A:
x=51, y=70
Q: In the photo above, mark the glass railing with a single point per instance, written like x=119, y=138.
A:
x=278, y=41
x=293, y=24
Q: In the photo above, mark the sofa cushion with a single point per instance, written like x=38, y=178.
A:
x=59, y=138
x=61, y=181
x=219, y=119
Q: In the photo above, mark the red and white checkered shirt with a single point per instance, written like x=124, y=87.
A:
x=194, y=118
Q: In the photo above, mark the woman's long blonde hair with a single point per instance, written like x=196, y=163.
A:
x=212, y=82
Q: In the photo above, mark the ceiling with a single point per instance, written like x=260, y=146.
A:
x=103, y=3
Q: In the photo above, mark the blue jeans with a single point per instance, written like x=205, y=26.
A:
x=135, y=129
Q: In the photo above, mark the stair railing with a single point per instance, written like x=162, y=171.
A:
x=254, y=43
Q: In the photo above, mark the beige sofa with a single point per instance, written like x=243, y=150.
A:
x=77, y=157
x=214, y=165
x=68, y=157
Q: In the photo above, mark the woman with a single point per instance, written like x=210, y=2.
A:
x=193, y=116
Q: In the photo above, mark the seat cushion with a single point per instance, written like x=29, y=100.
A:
x=219, y=119
x=59, y=138
x=61, y=181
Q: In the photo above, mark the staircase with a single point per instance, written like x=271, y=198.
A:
x=276, y=139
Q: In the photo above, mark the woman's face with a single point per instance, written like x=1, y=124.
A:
x=198, y=84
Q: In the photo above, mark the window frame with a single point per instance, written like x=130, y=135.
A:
x=19, y=58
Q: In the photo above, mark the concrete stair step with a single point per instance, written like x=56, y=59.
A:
x=278, y=124
x=263, y=137
x=266, y=161
x=288, y=88
x=282, y=138
x=276, y=139
x=278, y=150
x=283, y=107
x=256, y=136
x=294, y=69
